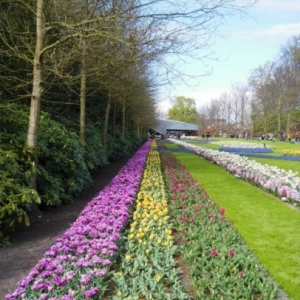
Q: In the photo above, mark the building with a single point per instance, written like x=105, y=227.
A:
x=166, y=128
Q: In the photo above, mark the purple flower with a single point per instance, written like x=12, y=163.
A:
x=60, y=281
x=91, y=292
x=85, y=279
x=67, y=297
x=70, y=275
x=100, y=273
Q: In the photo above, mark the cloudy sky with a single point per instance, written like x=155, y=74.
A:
x=244, y=44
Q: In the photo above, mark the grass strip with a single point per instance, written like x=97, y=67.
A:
x=269, y=227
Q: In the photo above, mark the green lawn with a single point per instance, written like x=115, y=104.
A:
x=268, y=226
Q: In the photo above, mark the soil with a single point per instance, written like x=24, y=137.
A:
x=30, y=243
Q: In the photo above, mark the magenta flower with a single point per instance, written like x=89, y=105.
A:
x=85, y=279
x=60, y=281
x=222, y=210
x=213, y=253
x=231, y=253
x=91, y=292
x=192, y=219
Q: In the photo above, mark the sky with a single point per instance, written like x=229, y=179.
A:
x=244, y=43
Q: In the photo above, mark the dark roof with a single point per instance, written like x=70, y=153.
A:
x=163, y=125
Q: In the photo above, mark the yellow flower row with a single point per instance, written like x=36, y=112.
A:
x=291, y=152
x=151, y=213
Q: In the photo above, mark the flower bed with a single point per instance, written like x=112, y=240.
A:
x=277, y=181
x=78, y=265
x=148, y=268
x=220, y=265
x=291, y=152
x=239, y=144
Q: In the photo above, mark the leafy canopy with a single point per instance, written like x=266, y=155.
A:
x=183, y=109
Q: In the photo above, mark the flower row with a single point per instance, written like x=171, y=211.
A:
x=220, y=265
x=148, y=268
x=78, y=265
x=278, y=181
x=239, y=144
x=289, y=152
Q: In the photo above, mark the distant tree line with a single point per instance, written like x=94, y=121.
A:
x=268, y=103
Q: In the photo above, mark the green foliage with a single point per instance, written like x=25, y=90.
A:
x=184, y=109
x=118, y=148
x=62, y=171
x=94, y=155
x=16, y=167
x=15, y=195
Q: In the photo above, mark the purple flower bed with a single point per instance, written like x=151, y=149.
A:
x=77, y=266
x=246, y=150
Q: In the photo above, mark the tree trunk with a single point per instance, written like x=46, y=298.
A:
x=138, y=126
x=82, y=93
x=106, y=119
x=279, y=118
x=114, y=119
x=278, y=125
x=37, y=89
x=265, y=125
x=83, y=81
x=288, y=119
x=123, y=117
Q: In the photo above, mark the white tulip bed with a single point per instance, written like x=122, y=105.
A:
x=284, y=184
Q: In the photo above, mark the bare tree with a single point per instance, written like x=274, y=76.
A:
x=261, y=82
x=290, y=59
x=240, y=105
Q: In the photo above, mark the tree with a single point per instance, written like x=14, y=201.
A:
x=261, y=81
x=290, y=61
x=59, y=45
x=240, y=106
x=183, y=109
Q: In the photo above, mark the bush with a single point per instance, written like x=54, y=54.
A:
x=62, y=171
x=15, y=195
x=94, y=155
x=120, y=147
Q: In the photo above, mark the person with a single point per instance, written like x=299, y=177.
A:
x=262, y=136
x=289, y=136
